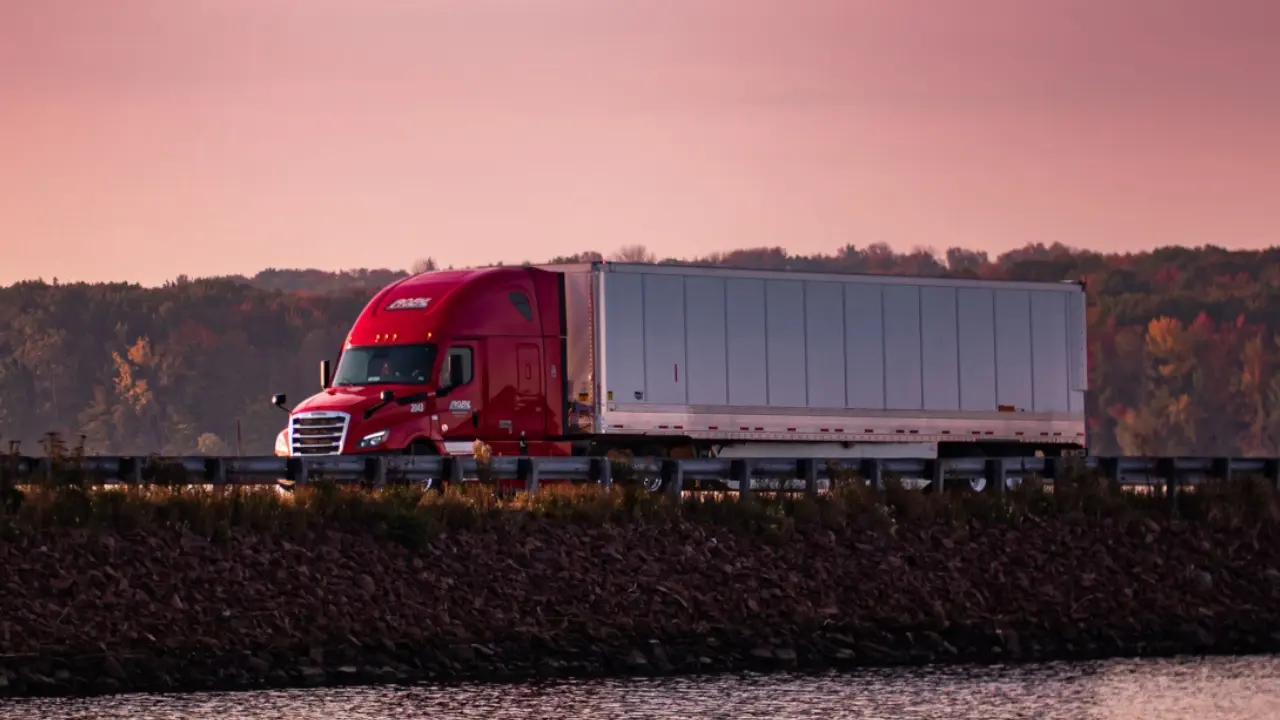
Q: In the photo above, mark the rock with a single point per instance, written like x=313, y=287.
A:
x=875, y=652
x=659, y=657
x=113, y=669
x=637, y=660
x=312, y=675
x=1201, y=579
x=1011, y=642
x=1198, y=636
x=464, y=653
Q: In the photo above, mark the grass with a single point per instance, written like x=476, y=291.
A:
x=412, y=517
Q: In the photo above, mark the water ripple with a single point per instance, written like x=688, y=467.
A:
x=1187, y=689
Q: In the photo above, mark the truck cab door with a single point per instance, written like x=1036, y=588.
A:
x=516, y=402
x=531, y=400
x=460, y=408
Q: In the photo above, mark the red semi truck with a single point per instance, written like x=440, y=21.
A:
x=686, y=361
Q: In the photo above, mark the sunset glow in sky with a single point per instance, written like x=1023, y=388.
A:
x=142, y=139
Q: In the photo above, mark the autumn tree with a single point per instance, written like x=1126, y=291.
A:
x=634, y=254
x=423, y=265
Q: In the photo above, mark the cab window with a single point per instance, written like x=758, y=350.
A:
x=521, y=303
x=463, y=352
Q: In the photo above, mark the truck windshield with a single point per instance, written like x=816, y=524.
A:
x=385, y=365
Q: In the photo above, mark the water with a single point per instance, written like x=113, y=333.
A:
x=1210, y=689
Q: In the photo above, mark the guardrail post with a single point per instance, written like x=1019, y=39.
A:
x=740, y=472
x=807, y=470
x=527, y=470
x=130, y=470
x=1052, y=469
x=1167, y=470
x=873, y=471
x=1221, y=469
x=937, y=475
x=672, y=477
x=215, y=470
x=1110, y=468
x=997, y=475
x=1271, y=470
x=375, y=470
x=451, y=469
x=601, y=471
x=297, y=470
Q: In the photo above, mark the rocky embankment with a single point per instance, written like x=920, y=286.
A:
x=100, y=611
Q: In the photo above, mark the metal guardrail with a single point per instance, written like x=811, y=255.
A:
x=660, y=474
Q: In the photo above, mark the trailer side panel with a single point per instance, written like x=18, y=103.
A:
x=721, y=353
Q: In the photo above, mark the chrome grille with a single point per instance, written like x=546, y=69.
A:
x=318, y=433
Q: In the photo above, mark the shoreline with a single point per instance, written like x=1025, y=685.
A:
x=179, y=591
x=95, y=677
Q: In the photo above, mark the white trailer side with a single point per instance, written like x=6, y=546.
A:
x=768, y=356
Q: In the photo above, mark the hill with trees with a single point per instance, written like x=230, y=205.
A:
x=1184, y=350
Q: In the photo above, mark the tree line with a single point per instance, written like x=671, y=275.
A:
x=1184, y=348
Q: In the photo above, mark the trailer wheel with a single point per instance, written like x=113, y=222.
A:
x=626, y=476
x=981, y=484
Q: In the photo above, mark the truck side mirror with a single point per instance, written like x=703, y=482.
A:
x=324, y=374
x=279, y=401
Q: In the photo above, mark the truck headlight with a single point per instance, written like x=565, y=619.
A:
x=373, y=439
x=282, y=442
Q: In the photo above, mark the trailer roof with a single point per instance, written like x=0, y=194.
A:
x=886, y=278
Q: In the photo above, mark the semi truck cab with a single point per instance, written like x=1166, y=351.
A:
x=436, y=361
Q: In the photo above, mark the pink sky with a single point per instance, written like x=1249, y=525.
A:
x=141, y=139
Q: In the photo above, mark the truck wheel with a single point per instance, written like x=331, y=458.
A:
x=421, y=448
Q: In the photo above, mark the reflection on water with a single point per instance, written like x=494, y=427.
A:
x=1191, y=689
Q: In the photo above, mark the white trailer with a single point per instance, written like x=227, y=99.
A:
x=779, y=363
